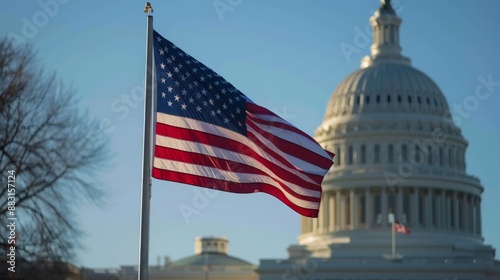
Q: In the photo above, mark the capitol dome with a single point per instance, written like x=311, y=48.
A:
x=398, y=154
x=387, y=87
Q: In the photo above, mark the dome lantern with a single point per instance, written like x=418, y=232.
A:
x=385, y=47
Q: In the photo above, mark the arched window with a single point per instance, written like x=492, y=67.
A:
x=350, y=156
x=417, y=153
x=429, y=155
x=404, y=152
x=450, y=158
x=441, y=160
x=337, y=156
x=363, y=154
x=377, y=153
x=390, y=153
x=367, y=99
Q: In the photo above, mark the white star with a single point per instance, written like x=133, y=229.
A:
x=237, y=98
x=162, y=52
x=205, y=103
x=202, y=79
x=209, y=75
x=198, y=95
x=169, y=74
x=230, y=101
x=224, y=106
x=223, y=90
x=177, y=97
x=213, y=113
x=169, y=103
x=219, y=111
x=210, y=87
x=240, y=124
x=217, y=83
x=195, y=70
x=217, y=96
x=183, y=78
x=204, y=91
x=173, y=57
x=187, y=74
x=162, y=65
x=190, y=86
x=177, y=83
x=226, y=120
x=198, y=108
x=232, y=115
x=238, y=110
x=169, y=61
x=158, y=39
x=170, y=89
x=188, y=62
x=176, y=70
x=191, y=100
x=195, y=83
x=163, y=94
x=166, y=48
x=184, y=106
x=163, y=80
x=211, y=101
x=180, y=66
x=184, y=92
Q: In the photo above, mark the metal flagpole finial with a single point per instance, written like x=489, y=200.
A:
x=148, y=9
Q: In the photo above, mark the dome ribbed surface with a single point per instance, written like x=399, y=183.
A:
x=387, y=87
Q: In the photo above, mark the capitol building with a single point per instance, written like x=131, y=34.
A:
x=398, y=154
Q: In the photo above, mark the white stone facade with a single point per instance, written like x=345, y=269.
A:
x=397, y=151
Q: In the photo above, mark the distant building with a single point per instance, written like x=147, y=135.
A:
x=399, y=154
x=210, y=261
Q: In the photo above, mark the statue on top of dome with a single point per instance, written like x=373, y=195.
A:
x=386, y=8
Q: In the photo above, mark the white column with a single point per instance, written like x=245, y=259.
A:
x=323, y=213
x=478, y=216
x=354, y=209
x=455, y=211
x=343, y=214
x=441, y=209
x=368, y=208
x=333, y=212
x=466, y=213
x=428, y=209
x=384, y=205
x=474, y=214
x=448, y=213
x=338, y=204
x=399, y=205
x=415, y=223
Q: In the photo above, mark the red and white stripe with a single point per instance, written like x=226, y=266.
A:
x=275, y=157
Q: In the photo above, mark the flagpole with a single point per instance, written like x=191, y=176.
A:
x=143, y=271
x=393, y=240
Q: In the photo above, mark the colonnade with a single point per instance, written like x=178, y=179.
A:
x=418, y=208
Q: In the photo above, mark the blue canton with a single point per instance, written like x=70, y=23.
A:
x=187, y=88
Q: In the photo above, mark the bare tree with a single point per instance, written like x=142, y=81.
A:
x=55, y=152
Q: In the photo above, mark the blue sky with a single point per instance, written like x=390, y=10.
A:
x=283, y=54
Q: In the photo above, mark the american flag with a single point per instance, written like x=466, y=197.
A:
x=398, y=227
x=209, y=134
